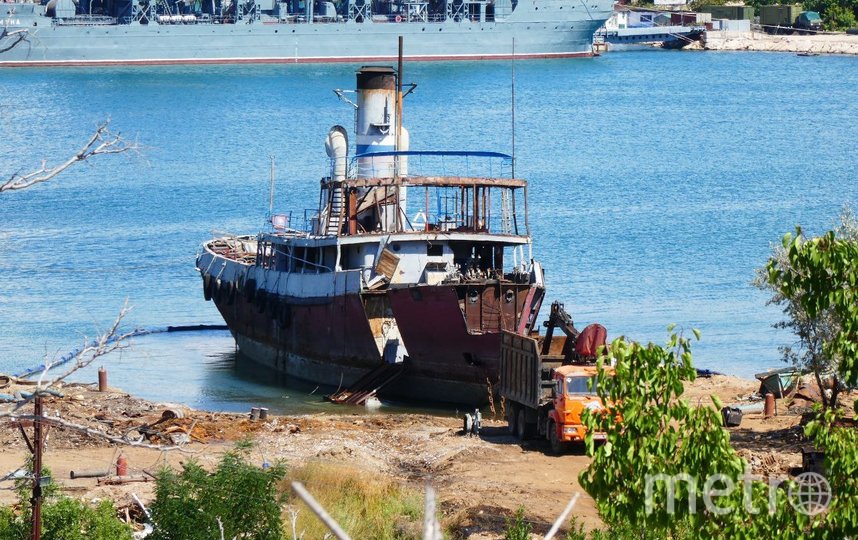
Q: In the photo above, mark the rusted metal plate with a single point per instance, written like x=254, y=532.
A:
x=443, y=181
x=490, y=309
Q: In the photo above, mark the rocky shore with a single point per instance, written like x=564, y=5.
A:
x=761, y=41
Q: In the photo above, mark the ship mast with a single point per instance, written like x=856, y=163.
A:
x=396, y=163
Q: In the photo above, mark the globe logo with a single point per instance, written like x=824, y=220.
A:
x=810, y=494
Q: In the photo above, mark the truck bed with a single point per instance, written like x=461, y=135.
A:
x=525, y=377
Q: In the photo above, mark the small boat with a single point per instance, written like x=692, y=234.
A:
x=778, y=381
x=807, y=54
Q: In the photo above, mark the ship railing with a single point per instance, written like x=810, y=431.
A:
x=429, y=163
x=402, y=18
x=286, y=224
x=420, y=221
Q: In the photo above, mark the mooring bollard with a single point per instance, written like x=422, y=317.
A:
x=254, y=413
x=263, y=413
x=102, y=379
x=769, y=406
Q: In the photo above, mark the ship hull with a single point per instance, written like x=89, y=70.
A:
x=548, y=33
x=452, y=355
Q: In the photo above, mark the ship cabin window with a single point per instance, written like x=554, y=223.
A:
x=308, y=260
x=435, y=250
x=478, y=257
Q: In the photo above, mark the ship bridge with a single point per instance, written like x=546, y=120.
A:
x=399, y=192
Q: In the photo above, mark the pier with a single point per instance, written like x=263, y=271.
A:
x=671, y=36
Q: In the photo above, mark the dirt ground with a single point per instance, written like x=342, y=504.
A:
x=479, y=480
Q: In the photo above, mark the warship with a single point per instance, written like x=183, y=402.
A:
x=405, y=274
x=129, y=32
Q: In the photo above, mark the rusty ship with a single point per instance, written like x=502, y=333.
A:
x=409, y=269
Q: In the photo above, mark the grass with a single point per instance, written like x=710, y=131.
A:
x=365, y=506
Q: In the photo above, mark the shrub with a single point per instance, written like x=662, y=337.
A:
x=189, y=503
x=517, y=528
x=63, y=518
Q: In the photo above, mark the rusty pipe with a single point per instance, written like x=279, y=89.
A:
x=88, y=474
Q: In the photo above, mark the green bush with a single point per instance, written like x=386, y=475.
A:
x=63, y=518
x=517, y=528
x=189, y=503
x=67, y=519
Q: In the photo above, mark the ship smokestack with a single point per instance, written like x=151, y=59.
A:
x=375, y=124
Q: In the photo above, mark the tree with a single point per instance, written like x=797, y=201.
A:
x=651, y=472
x=103, y=141
x=811, y=330
x=836, y=14
x=667, y=469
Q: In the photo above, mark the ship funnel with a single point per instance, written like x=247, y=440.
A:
x=337, y=147
x=375, y=124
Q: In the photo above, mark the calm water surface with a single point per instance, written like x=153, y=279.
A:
x=658, y=182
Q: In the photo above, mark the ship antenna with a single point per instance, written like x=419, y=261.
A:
x=271, y=188
x=513, y=107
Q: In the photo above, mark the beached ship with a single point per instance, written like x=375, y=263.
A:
x=414, y=261
x=105, y=32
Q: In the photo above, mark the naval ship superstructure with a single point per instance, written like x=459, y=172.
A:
x=121, y=32
x=413, y=259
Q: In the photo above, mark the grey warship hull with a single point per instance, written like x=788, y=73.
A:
x=535, y=29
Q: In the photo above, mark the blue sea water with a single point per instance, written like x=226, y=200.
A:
x=658, y=182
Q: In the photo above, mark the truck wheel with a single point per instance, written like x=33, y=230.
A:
x=557, y=445
x=524, y=430
x=511, y=417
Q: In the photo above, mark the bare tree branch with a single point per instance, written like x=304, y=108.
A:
x=107, y=342
x=103, y=141
x=16, y=37
x=92, y=432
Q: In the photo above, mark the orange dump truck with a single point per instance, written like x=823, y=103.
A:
x=548, y=381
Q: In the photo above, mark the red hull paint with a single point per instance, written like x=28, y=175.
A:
x=336, y=335
x=336, y=331
x=309, y=60
x=437, y=337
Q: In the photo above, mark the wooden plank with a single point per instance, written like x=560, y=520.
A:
x=387, y=263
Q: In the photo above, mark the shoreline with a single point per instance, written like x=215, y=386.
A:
x=829, y=44
x=480, y=480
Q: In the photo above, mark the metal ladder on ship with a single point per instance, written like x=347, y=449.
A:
x=368, y=385
x=335, y=217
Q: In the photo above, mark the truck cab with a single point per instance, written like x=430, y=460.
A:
x=574, y=392
x=808, y=20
